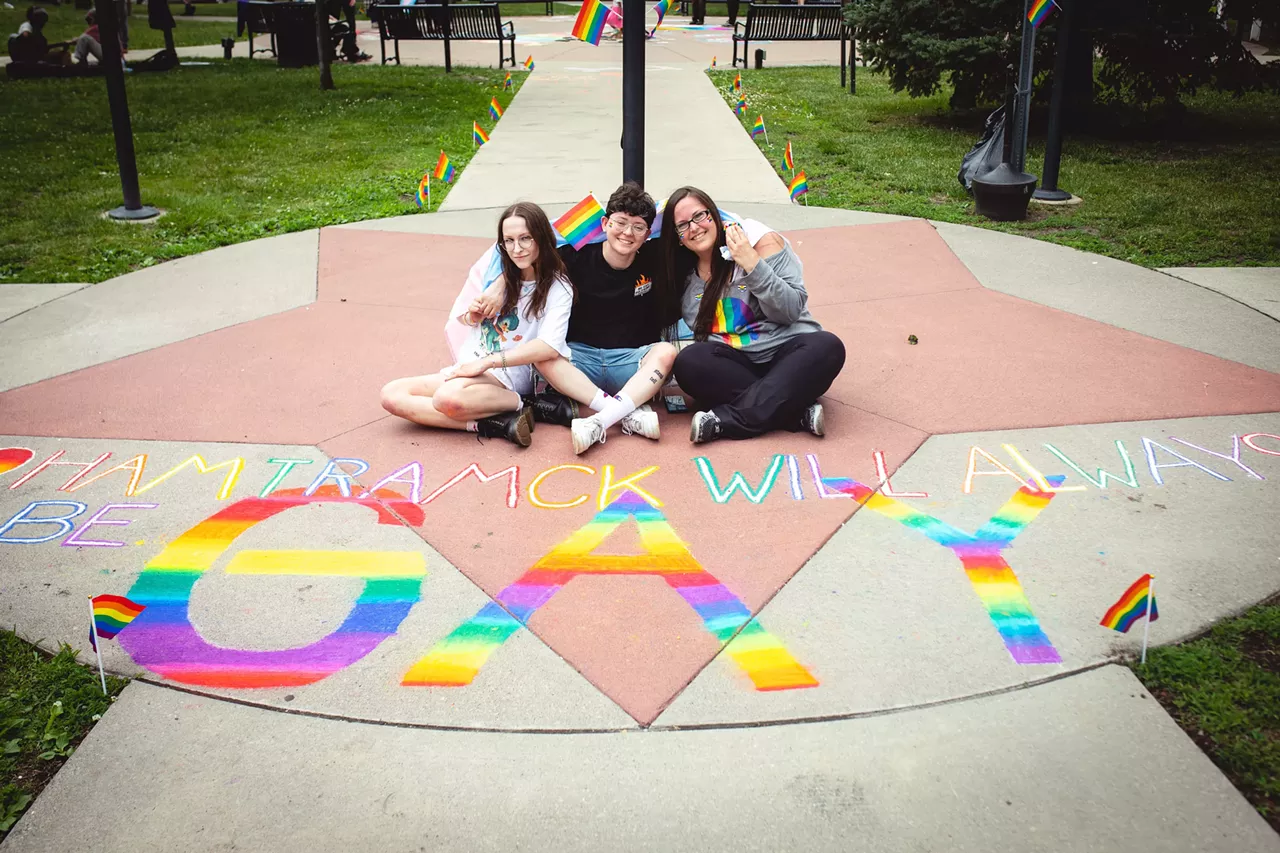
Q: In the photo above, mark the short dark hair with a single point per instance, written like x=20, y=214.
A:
x=630, y=198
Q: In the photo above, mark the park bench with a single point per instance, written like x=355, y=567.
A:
x=447, y=22
x=254, y=17
x=786, y=22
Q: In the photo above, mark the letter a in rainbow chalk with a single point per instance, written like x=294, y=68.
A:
x=456, y=659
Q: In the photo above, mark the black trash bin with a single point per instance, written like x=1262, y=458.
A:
x=1003, y=194
x=295, y=30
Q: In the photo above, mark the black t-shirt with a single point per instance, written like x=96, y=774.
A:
x=615, y=309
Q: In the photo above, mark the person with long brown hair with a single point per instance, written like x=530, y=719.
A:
x=484, y=392
x=759, y=361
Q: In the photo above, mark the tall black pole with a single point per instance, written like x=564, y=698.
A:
x=1053, y=145
x=113, y=72
x=1022, y=98
x=633, y=90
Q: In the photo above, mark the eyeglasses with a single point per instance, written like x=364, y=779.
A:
x=523, y=242
x=699, y=218
x=637, y=228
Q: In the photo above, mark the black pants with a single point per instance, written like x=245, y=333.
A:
x=733, y=13
x=699, y=12
x=751, y=399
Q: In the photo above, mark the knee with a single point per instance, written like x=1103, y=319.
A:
x=830, y=349
x=448, y=401
x=392, y=397
x=664, y=356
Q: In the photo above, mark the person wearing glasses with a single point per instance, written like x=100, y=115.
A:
x=619, y=360
x=484, y=392
x=760, y=361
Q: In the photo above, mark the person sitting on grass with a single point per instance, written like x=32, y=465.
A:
x=30, y=45
x=619, y=360
x=484, y=392
x=760, y=361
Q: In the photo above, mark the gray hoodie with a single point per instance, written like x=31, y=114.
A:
x=760, y=311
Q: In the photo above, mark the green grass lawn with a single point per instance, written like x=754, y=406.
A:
x=66, y=23
x=233, y=151
x=1201, y=193
x=1224, y=690
x=47, y=706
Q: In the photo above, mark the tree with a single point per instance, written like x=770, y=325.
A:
x=1149, y=49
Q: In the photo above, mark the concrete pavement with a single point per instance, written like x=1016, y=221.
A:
x=319, y=669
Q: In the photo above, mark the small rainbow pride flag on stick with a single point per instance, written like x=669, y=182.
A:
x=1039, y=10
x=741, y=108
x=713, y=62
x=589, y=25
x=528, y=63
x=788, y=162
x=444, y=170
x=506, y=84
x=108, y=616
x=737, y=82
x=581, y=223
x=1138, y=601
x=424, y=191
x=799, y=186
x=478, y=136
x=758, y=128
x=495, y=108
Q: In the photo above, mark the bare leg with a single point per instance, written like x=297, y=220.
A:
x=654, y=369
x=569, y=380
x=439, y=401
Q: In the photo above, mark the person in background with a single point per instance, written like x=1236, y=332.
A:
x=760, y=361
x=30, y=45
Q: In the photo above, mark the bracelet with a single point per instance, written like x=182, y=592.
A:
x=504, y=360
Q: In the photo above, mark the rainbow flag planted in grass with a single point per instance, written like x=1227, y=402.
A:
x=758, y=128
x=528, y=63
x=495, y=109
x=713, y=62
x=788, y=162
x=424, y=191
x=444, y=169
x=799, y=185
x=478, y=136
x=111, y=613
x=506, y=84
x=1040, y=10
x=1131, y=607
x=589, y=25
x=737, y=82
x=741, y=108
x=581, y=223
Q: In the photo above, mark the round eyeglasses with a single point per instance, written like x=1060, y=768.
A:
x=523, y=242
x=637, y=228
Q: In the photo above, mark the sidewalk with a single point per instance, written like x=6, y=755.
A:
x=332, y=672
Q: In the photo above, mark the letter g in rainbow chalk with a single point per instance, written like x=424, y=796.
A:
x=163, y=640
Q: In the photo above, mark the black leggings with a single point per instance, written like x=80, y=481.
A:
x=753, y=398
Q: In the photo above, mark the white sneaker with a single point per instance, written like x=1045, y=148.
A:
x=643, y=421
x=586, y=432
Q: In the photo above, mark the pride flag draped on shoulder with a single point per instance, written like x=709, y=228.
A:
x=589, y=25
x=581, y=223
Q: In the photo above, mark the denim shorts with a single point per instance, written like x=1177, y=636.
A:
x=609, y=369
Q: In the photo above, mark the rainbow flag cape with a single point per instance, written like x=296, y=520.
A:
x=788, y=162
x=495, y=108
x=1131, y=607
x=1039, y=10
x=799, y=185
x=528, y=63
x=111, y=613
x=589, y=25
x=424, y=191
x=444, y=169
x=581, y=224
x=506, y=84
x=737, y=82
x=758, y=127
x=477, y=134
x=661, y=8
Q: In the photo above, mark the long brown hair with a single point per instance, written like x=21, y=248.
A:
x=679, y=262
x=547, y=268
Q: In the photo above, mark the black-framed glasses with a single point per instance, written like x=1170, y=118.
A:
x=523, y=242
x=702, y=217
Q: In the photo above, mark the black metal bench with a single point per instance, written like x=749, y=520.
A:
x=786, y=22
x=254, y=17
x=447, y=22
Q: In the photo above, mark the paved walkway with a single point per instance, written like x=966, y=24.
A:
x=309, y=680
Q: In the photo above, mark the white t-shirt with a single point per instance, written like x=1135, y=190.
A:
x=508, y=331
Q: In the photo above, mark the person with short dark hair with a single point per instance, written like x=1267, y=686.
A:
x=760, y=361
x=615, y=333
x=30, y=45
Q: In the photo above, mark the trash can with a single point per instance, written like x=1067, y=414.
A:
x=295, y=29
x=1003, y=194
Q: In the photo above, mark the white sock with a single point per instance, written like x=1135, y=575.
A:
x=615, y=410
x=599, y=401
x=473, y=426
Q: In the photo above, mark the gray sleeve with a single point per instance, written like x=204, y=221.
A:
x=777, y=283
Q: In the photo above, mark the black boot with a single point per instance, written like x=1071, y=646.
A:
x=516, y=427
x=552, y=407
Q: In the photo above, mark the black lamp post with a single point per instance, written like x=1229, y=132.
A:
x=633, y=35
x=109, y=28
x=1049, y=190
